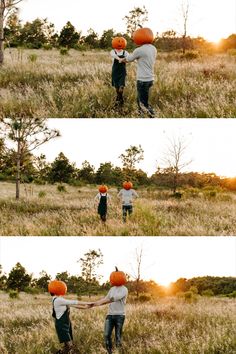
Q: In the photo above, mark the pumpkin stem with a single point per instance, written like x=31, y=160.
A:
x=117, y=269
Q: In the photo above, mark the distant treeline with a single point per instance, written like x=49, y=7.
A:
x=37, y=170
x=41, y=34
x=19, y=279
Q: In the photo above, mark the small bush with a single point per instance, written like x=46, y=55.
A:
x=47, y=47
x=190, y=55
x=231, y=52
x=64, y=51
x=33, y=58
x=232, y=295
x=41, y=194
x=14, y=294
x=144, y=298
x=32, y=291
x=207, y=292
x=61, y=188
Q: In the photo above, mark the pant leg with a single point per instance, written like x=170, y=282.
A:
x=119, y=322
x=124, y=212
x=109, y=325
x=130, y=209
x=143, y=93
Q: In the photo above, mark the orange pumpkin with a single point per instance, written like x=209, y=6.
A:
x=57, y=287
x=119, y=43
x=143, y=36
x=103, y=189
x=127, y=185
x=117, y=278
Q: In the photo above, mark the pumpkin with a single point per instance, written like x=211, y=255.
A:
x=103, y=189
x=143, y=36
x=57, y=287
x=117, y=278
x=119, y=43
x=127, y=185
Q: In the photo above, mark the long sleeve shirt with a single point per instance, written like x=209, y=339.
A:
x=60, y=305
x=118, y=296
x=145, y=56
x=127, y=196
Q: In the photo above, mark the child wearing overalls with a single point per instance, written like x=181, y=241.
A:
x=127, y=194
x=61, y=315
x=103, y=199
x=119, y=69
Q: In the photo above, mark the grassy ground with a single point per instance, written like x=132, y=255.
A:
x=74, y=213
x=79, y=85
x=167, y=326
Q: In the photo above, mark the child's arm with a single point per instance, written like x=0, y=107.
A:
x=114, y=55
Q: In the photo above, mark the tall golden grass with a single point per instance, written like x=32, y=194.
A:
x=74, y=212
x=79, y=85
x=163, y=326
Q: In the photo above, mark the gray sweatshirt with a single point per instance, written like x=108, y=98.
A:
x=145, y=56
x=118, y=296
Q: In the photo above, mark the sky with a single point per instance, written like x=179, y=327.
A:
x=165, y=259
x=212, y=19
x=210, y=143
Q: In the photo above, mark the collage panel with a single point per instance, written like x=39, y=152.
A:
x=115, y=177
x=126, y=295
x=166, y=59
x=104, y=196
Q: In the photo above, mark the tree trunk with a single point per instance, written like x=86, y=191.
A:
x=18, y=157
x=1, y=34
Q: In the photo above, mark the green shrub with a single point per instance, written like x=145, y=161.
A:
x=33, y=58
x=144, y=298
x=232, y=52
x=190, y=55
x=32, y=291
x=47, y=47
x=41, y=194
x=207, y=292
x=13, y=294
x=61, y=188
x=64, y=51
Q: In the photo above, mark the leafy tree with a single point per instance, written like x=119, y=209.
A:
x=89, y=264
x=61, y=169
x=132, y=156
x=105, y=173
x=136, y=18
x=92, y=39
x=27, y=134
x=37, y=33
x=106, y=38
x=43, y=280
x=3, y=279
x=42, y=167
x=18, y=279
x=87, y=172
x=69, y=37
x=12, y=29
x=6, y=8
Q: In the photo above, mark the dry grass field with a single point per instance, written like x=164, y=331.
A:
x=166, y=326
x=40, y=83
x=44, y=211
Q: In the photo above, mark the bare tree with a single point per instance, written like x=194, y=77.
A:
x=136, y=271
x=185, y=17
x=6, y=8
x=28, y=134
x=174, y=159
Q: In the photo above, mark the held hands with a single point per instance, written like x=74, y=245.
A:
x=122, y=60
